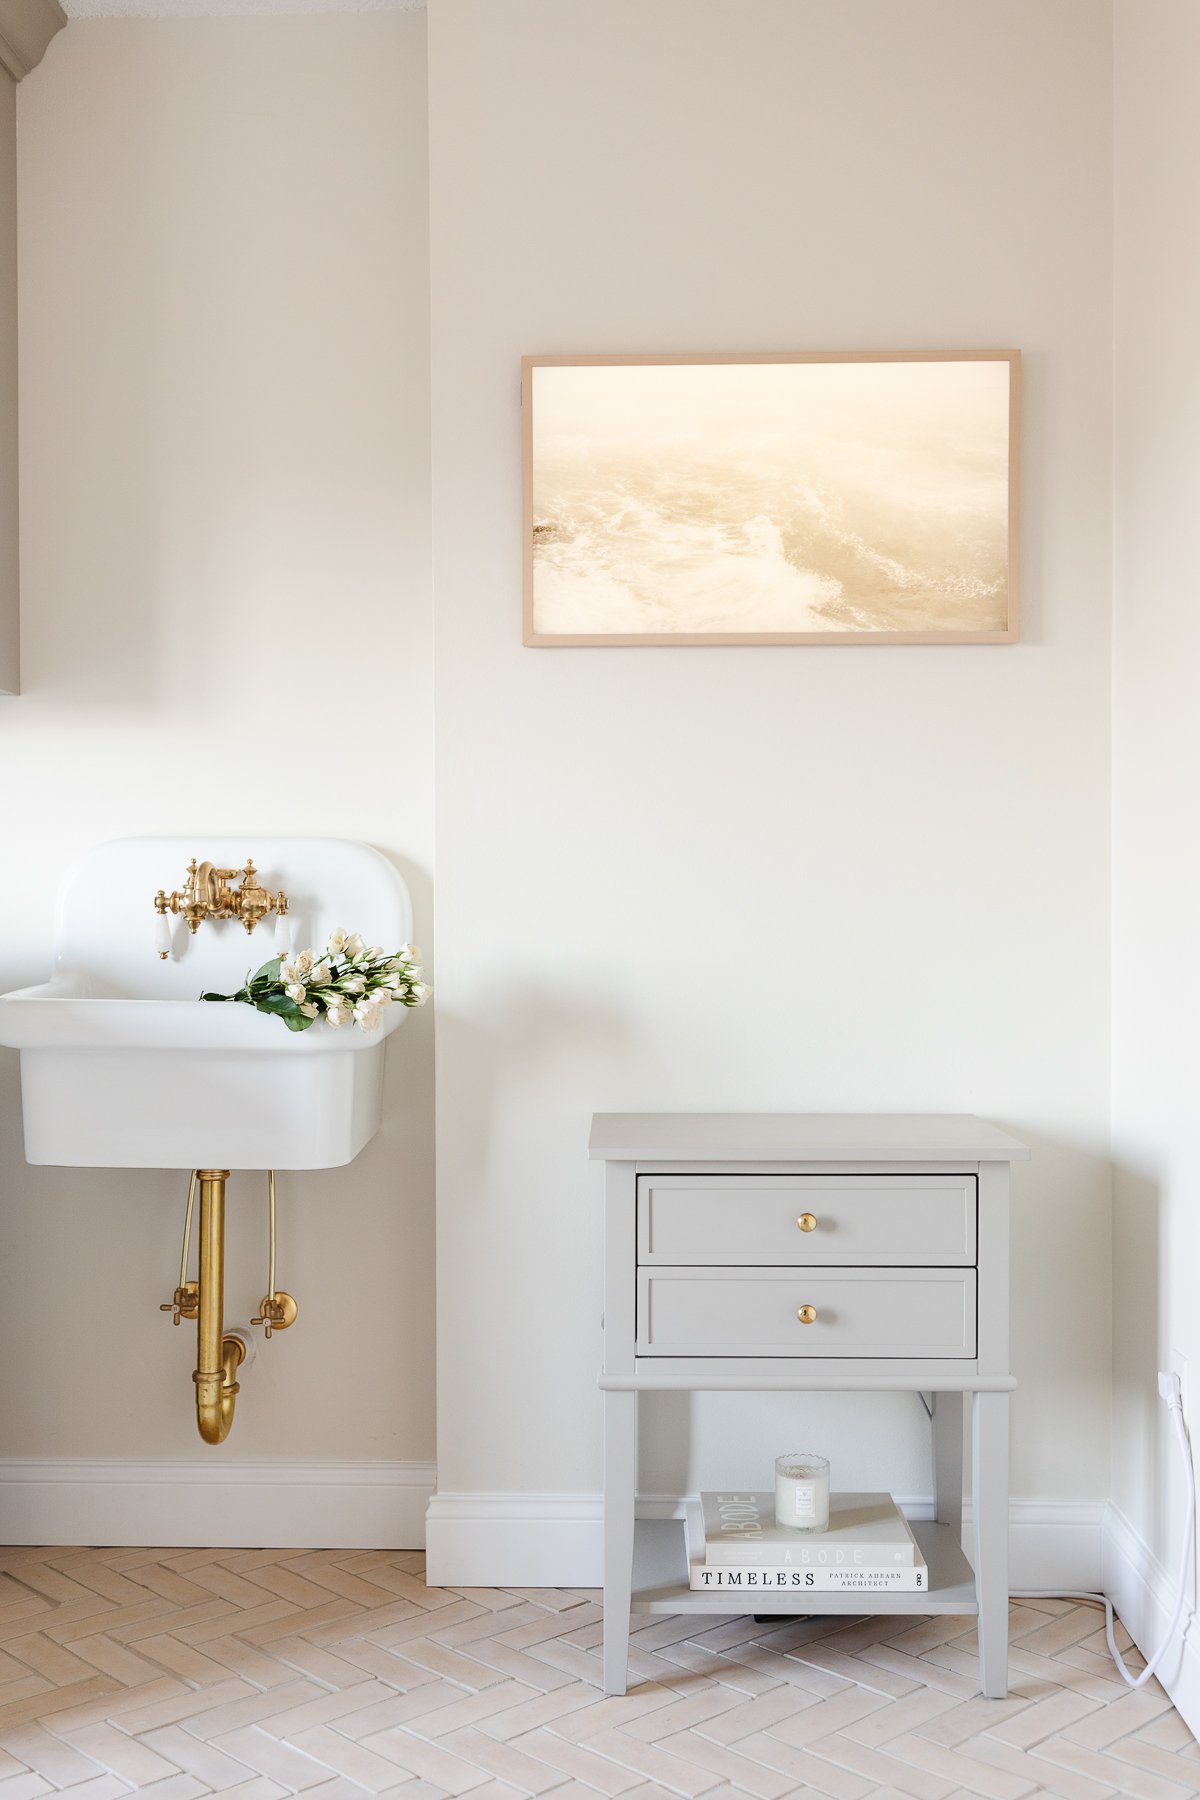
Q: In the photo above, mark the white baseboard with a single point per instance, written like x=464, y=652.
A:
x=556, y=1540
x=304, y=1506
x=514, y=1540
x=476, y=1540
x=1143, y=1596
x=1055, y=1544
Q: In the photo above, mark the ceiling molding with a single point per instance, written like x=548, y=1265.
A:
x=26, y=27
x=223, y=9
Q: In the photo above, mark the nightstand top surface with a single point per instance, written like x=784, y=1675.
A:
x=800, y=1137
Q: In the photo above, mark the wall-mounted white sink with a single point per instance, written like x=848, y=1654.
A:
x=122, y=1064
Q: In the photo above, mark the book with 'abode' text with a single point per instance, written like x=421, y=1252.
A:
x=867, y=1532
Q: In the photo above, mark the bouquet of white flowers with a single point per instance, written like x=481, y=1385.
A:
x=349, y=982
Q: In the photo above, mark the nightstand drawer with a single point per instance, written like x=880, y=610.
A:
x=802, y=1220
x=818, y=1312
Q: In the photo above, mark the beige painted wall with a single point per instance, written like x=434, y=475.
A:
x=226, y=491
x=226, y=559
x=1156, y=1070
x=748, y=879
x=9, y=571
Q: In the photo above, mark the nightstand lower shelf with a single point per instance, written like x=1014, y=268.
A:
x=660, y=1580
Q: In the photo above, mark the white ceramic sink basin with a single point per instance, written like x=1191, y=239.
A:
x=122, y=1064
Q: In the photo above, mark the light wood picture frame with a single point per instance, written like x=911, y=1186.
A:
x=820, y=497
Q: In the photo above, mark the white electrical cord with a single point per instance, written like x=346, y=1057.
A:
x=1169, y=1390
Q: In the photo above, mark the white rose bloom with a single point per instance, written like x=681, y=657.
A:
x=421, y=991
x=288, y=972
x=354, y=984
x=366, y=1016
x=354, y=946
x=319, y=975
x=337, y=942
x=310, y=1009
x=381, y=997
x=304, y=961
x=296, y=992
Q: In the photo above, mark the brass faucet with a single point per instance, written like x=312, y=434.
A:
x=208, y=895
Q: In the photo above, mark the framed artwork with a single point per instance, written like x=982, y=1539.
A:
x=823, y=498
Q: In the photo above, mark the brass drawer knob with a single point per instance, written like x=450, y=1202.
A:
x=806, y=1314
x=807, y=1221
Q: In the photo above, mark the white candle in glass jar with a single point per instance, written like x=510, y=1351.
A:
x=802, y=1491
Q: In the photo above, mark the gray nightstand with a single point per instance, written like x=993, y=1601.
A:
x=808, y=1252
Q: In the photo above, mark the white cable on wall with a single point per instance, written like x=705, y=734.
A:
x=1169, y=1390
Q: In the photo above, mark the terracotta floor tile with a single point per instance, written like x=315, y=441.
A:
x=338, y=1674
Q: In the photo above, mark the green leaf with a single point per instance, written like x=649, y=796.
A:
x=285, y=1009
x=269, y=970
x=276, y=1003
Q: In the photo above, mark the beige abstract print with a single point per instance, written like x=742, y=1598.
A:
x=738, y=499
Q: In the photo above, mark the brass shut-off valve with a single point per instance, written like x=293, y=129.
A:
x=276, y=1312
x=186, y=1303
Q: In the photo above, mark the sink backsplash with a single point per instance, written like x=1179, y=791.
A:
x=105, y=925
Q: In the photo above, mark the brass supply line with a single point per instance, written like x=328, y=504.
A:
x=219, y=1356
x=276, y=1310
x=186, y=1302
x=220, y=1353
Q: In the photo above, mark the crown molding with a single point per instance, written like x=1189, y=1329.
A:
x=26, y=27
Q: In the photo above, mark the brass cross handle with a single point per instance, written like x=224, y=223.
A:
x=186, y=1303
x=276, y=1311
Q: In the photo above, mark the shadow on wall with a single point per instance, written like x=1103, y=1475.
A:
x=1061, y=1259
x=1139, y=1351
x=690, y=1442
x=535, y=1030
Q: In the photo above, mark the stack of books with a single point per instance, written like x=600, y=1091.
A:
x=868, y=1548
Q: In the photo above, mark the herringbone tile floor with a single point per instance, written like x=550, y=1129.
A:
x=256, y=1673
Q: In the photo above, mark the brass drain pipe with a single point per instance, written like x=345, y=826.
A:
x=220, y=1353
x=219, y=1356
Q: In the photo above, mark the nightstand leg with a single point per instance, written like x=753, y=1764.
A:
x=989, y=1424
x=620, y=1491
x=948, y=1458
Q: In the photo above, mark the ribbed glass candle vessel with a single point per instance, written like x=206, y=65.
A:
x=802, y=1491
